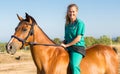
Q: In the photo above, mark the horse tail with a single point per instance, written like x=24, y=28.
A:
x=115, y=49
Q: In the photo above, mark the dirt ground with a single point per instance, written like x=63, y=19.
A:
x=17, y=65
x=13, y=64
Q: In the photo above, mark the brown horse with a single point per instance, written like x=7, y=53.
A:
x=50, y=58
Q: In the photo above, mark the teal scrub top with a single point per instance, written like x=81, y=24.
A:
x=72, y=30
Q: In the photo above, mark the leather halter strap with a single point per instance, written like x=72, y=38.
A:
x=31, y=32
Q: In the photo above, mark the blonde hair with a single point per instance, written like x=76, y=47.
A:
x=67, y=17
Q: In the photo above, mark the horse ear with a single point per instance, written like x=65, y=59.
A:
x=28, y=18
x=19, y=17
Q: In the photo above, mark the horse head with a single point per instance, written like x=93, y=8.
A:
x=23, y=34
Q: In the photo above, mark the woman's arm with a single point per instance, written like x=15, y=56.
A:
x=73, y=42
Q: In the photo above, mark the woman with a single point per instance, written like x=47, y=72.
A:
x=74, y=38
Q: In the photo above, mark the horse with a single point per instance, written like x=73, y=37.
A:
x=51, y=58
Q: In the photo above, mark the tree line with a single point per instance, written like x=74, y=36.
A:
x=89, y=40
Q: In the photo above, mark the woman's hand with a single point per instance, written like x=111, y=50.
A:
x=64, y=45
x=71, y=43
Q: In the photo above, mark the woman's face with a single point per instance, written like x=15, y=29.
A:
x=72, y=13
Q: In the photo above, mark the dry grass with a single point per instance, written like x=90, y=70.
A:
x=10, y=64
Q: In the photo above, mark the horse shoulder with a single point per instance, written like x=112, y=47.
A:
x=60, y=61
x=62, y=54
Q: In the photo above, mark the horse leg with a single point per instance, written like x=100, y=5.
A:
x=38, y=71
x=69, y=71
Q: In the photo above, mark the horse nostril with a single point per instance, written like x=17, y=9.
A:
x=10, y=47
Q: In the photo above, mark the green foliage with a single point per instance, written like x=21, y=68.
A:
x=118, y=39
x=104, y=40
x=57, y=40
x=89, y=41
x=2, y=47
x=26, y=48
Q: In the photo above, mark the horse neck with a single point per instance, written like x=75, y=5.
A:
x=40, y=51
x=40, y=36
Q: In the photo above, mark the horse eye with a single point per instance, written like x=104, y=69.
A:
x=24, y=29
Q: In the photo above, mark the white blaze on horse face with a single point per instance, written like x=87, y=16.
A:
x=8, y=45
x=12, y=46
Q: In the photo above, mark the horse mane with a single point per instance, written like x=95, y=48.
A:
x=34, y=22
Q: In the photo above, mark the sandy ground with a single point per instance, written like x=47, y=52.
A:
x=18, y=68
x=11, y=65
x=25, y=65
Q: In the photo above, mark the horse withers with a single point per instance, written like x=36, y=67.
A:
x=50, y=58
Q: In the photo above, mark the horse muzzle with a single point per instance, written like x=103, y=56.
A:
x=11, y=48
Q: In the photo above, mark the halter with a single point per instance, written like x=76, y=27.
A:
x=31, y=32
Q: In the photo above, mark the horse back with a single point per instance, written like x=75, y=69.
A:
x=100, y=59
